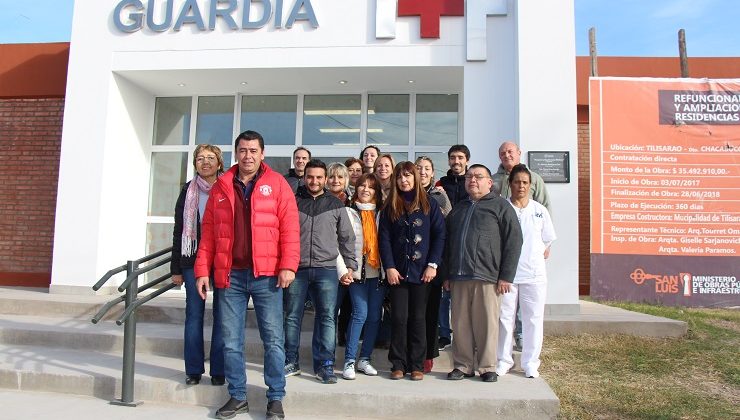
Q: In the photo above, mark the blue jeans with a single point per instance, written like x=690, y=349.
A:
x=321, y=285
x=268, y=307
x=194, y=309
x=367, y=306
x=444, y=315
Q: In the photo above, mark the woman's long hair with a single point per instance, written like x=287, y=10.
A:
x=396, y=205
x=375, y=183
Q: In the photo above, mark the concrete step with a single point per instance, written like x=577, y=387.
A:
x=598, y=319
x=48, y=405
x=593, y=318
x=160, y=379
x=163, y=309
x=154, y=338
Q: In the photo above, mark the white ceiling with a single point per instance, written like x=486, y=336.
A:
x=312, y=80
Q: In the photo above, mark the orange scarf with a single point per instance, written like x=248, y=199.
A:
x=370, y=237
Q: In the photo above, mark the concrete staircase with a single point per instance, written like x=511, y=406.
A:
x=47, y=343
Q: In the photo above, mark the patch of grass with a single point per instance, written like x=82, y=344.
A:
x=618, y=376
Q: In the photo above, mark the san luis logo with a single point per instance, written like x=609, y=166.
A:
x=664, y=283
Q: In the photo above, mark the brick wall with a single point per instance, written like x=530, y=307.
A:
x=30, y=143
x=584, y=210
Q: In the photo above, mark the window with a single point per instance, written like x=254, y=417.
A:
x=388, y=120
x=436, y=120
x=215, y=124
x=167, y=175
x=172, y=121
x=331, y=120
x=272, y=116
x=280, y=165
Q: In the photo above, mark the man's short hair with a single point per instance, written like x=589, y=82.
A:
x=315, y=163
x=459, y=148
x=248, y=136
x=479, y=165
x=302, y=148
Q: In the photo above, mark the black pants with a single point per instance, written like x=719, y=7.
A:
x=408, y=327
x=432, y=318
x=344, y=307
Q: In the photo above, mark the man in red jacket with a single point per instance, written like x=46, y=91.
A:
x=250, y=240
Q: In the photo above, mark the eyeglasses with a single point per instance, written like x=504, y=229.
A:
x=478, y=177
x=201, y=159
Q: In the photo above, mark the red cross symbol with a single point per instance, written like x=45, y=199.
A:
x=429, y=12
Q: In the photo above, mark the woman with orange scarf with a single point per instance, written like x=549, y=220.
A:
x=365, y=288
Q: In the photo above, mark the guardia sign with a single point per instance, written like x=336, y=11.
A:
x=161, y=15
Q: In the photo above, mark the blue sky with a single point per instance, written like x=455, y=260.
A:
x=623, y=27
x=650, y=27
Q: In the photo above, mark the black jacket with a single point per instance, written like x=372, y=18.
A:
x=294, y=180
x=454, y=186
x=178, y=260
x=484, y=240
x=411, y=242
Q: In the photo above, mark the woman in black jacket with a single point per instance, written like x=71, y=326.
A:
x=411, y=238
x=434, y=318
x=209, y=164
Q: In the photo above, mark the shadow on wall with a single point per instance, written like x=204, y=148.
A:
x=33, y=70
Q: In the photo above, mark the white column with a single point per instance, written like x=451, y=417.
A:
x=546, y=84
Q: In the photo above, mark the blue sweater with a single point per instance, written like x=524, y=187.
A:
x=412, y=241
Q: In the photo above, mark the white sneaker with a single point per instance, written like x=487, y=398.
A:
x=349, y=371
x=532, y=374
x=365, y=367
x=502, y=368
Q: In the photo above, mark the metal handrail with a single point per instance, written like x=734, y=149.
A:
x=154, y=282
x=129, y=310
x=153, y=255
x=112, y=272
x=128, y=318
x=136, y=273
x=98, y=316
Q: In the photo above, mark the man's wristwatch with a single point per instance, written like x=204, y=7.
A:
x=433, y=265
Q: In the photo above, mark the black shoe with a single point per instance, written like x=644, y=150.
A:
x=489, y=377
x=444, y=342
x=232, y=408
x=218, y=380
x=275, y=410
x=457, y=374
x=192, y=380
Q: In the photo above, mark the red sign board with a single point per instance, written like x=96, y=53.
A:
x=430, y=11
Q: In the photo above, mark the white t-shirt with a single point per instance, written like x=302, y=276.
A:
x=538, y=233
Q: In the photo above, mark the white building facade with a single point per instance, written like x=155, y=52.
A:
x=150, y=79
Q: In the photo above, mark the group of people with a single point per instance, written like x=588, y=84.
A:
x=374, y=231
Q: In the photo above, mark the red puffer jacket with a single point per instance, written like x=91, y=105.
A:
x=275, y=232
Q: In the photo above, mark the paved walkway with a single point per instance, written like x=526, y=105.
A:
x=44, y=405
